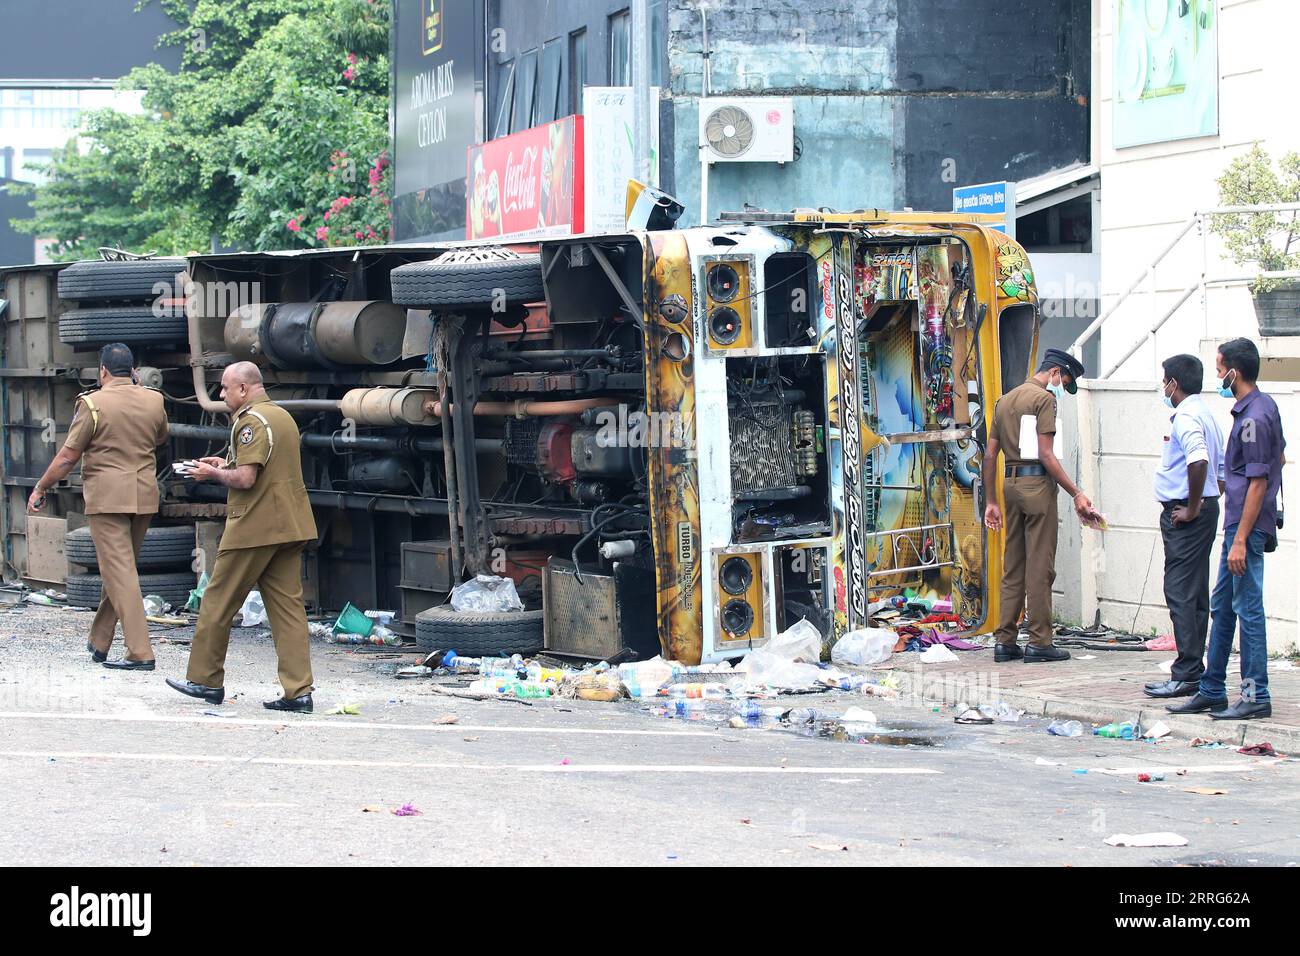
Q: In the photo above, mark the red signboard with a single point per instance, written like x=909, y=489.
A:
x=527, y=185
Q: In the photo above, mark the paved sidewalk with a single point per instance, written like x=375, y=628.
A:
x=1105, y=688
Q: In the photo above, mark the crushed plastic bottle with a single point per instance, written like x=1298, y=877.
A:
x=753, y=710
x=701, y=691
x=1065, y=728
x=1124, y=731
x=1001, y=711
x=379, y=637
x=804, y=715
x=684, y=707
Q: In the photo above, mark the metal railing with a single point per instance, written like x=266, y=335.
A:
x=1201, y=283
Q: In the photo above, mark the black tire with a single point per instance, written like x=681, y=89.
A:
x=94, y=280
x=133, y=325
x=469, y=279
x=84, y=590
x=162, y=548
x=496, y=634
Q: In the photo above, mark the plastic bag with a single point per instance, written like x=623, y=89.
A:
x=154, y=605
x=938, y=654
x=253, y=611
x=486, y=593
x=799, y=642
x=788, y=661
x=196, y=595
x=864, y=647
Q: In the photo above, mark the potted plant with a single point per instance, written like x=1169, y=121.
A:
x=1264, y=239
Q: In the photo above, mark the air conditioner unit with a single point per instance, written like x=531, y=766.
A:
x=749, y=129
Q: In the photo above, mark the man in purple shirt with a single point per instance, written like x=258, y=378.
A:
x=1252, y=476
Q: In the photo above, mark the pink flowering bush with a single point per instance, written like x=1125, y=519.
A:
x=361, y=211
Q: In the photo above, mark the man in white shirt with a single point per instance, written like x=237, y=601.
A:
x=1187, y=487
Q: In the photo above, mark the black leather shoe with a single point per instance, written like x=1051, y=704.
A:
x=297, y=705
x=1173, y=688
x=1245, y=710
x=1007, y=652
x=97, y=656
x=1037, y=655
x=213, y=695
x=126, y=664
x=1198, y=703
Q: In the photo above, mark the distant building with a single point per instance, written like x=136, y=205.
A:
x=58, y=59
x=893, y=103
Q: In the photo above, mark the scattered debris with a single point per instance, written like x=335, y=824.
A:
x=347, y=710
x=1204, y=742
x=1149, y=777
x=864, y=647
x=1065, y=728
x=829, y=847
x=1156, y=732
x=1041, y=762
x=1118, y=731
x=448, y=719
x=407, y=810
x=972, y=716
x=938, y=654
x=486, y=593
x=1146, y=839
x=253, y=611
x=1259, y=750
x=1001, y=711
x=1206, y=791
x=1165, y=642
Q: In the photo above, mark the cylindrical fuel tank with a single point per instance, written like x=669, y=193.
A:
x=292, y=335
x=243, y=332
x=389, y=406
x=361, y=333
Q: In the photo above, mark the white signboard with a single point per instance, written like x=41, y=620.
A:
x=607, y=154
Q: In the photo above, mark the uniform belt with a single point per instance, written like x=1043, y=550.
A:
x=1025, y=471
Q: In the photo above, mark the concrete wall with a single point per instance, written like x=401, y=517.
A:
x=1118, y=573
x=895, y=102
x=1149, y=191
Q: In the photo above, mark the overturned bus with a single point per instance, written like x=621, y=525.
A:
x=676, y=441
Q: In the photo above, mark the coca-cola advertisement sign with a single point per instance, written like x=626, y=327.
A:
x=527, y=185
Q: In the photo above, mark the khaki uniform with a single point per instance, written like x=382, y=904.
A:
x=117, y=430
x=267, y=526
x=1029, y=512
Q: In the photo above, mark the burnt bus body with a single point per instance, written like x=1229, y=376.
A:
x=676, y=442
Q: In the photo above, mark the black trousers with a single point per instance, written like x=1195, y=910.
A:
x=1187, y=584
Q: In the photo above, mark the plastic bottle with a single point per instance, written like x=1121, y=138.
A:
x=460, y=665
x=803, y=715
x=497, y=667
x=1065, y=728
x=1124, y=731
x=536, y=672
x=753, y=710
x=700, y=691
x=528, y=688
x=488, y=685
x=684, y=707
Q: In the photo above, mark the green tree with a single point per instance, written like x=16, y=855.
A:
x=1265, y=239
x=278, y=112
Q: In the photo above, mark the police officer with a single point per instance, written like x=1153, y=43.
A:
x=268, y=521
x=1024, y=429
x=116, y=429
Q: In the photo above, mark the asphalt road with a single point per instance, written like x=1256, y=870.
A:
x=103, y=768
